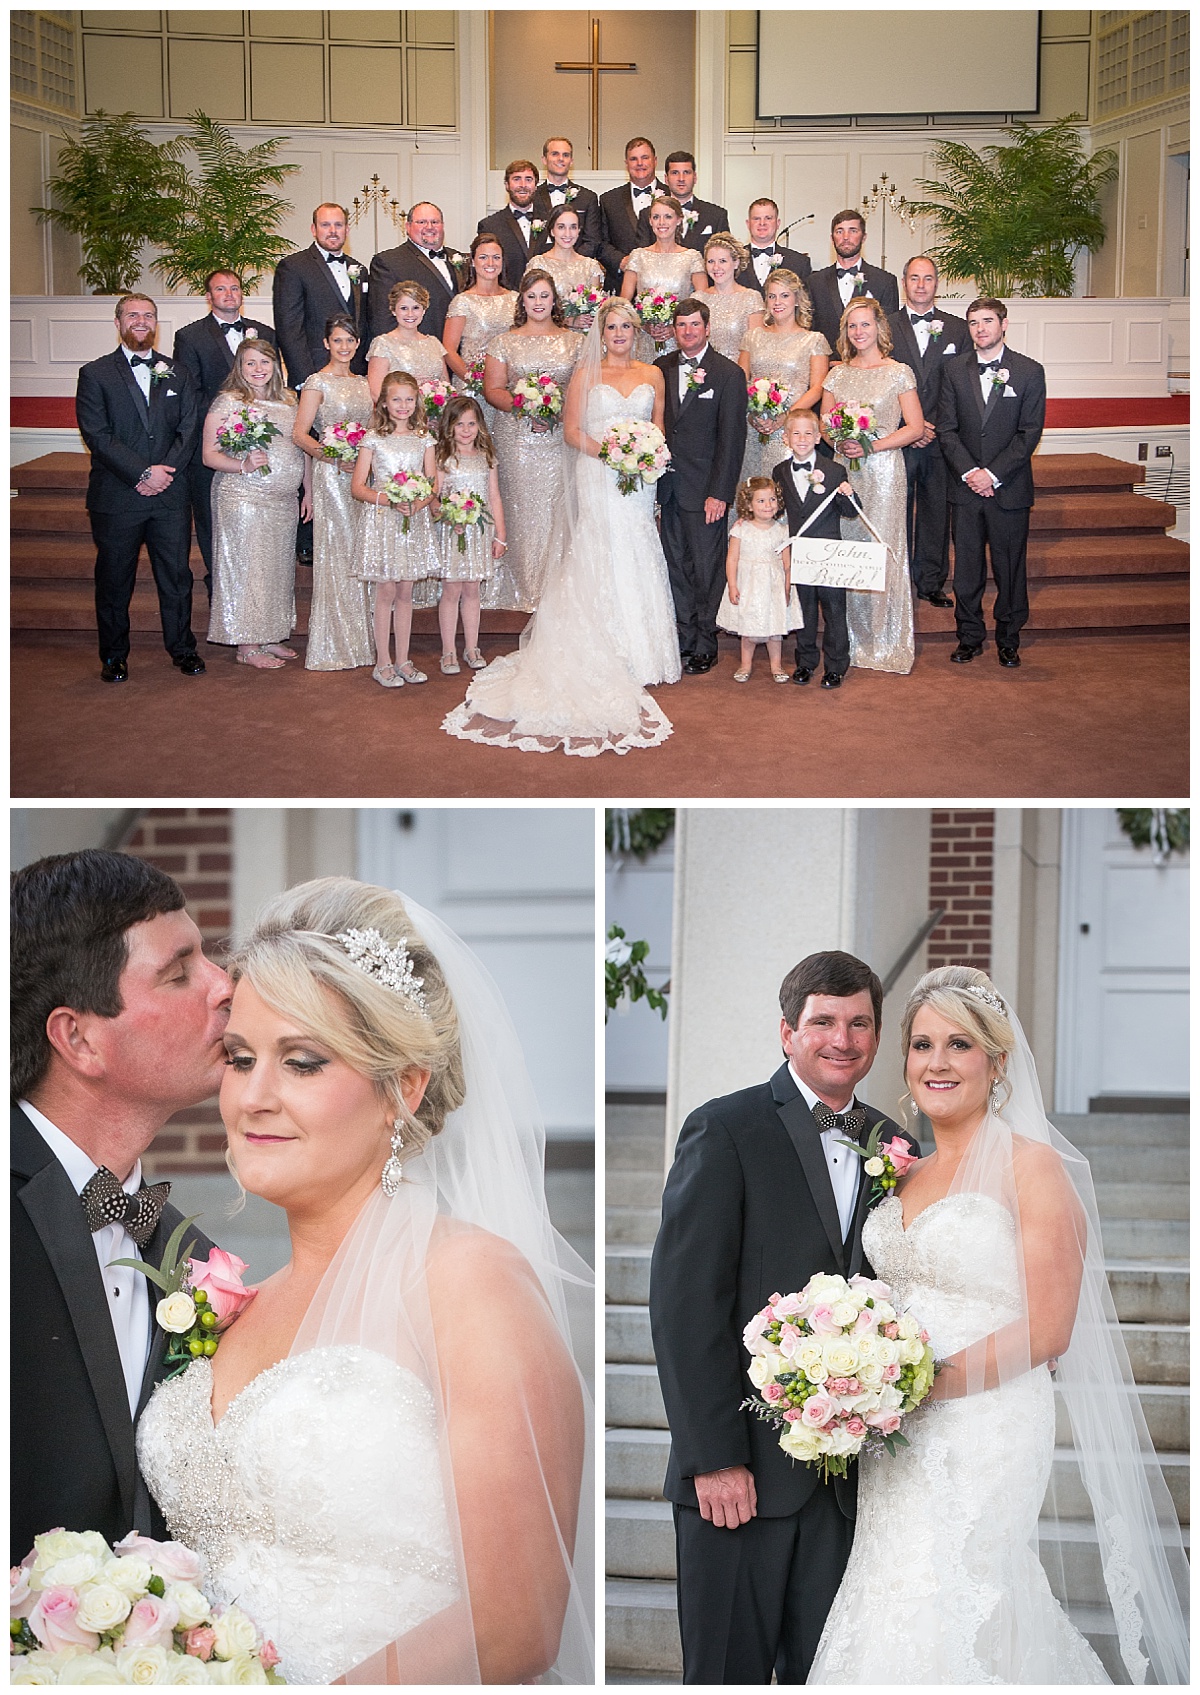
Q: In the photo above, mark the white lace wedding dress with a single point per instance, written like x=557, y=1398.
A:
x=943, y=1580
x=292, y=1475
x=604, y=630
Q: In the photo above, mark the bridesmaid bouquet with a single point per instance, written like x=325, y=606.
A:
x=435, y=397
x=852, y=423
x=340, y=441
x=462, y=510
x=657, y=309
x=538, y=399
x=766, y=404
x=637, y=451
x=582, y=301
x=85, y=1613
x=837, y=1369
x=473, y=380
x=248, y=428
x=405, y=488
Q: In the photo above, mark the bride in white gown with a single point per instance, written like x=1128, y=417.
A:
x=384, y=1463
x=993, y=1241
x=605, y=626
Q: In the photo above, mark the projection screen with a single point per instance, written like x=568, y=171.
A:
x=903, y=63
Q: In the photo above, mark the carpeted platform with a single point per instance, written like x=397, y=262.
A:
x=1084, y=718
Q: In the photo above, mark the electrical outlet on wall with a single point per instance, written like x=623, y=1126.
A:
x=1143, y=450
x=1162, y=452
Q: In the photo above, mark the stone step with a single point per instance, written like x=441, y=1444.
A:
x=635, y=1463
x=639, y=1539
x=45, y=513
x=1073, y=1543
x=1151, y=1201
x=1164, y=1407
x=62, y=471
x=1154, y=1164
x=1146, y=1238
x=632, y=1398
x=627, y=1335
x=641, y=1630
x=636, y=1225
x=1071, y=1498
x=625, y=1188
x=1143, y=1293
x=627, y=1275
x=637, y=1126
x=1088, y=1130
x=71, y=558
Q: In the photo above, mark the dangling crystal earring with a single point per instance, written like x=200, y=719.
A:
x=994, y=1096
x=912, y=1101
x=393, y=1171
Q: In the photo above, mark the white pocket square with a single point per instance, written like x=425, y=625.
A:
x=707, y=395
x=170, y=392
x=1009, y=393
x=950, y=349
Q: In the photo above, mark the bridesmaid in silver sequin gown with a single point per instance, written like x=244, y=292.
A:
x=732, y=309
x=665, y=268
x=254, y=514
x=788, y=349
x=477, y=316
x=465, y=458
x=339, y=622
x=568, y=268
x=881, y=625
x=530, y=455
x=405, y=348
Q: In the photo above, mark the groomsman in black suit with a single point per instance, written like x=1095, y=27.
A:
x=990, y=420
x=117, y=1022
x=621, y=207
x=313, y=286
x=701, y=218
x=705, y=427
x=923, y=338
x=205, y=350
x=422, y=258
x=517, y=226
x=807, y=507
x=138, y=417
x=850, y=277
x=558, y=189
x=766, y=255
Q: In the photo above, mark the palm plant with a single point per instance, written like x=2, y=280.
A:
x=1014, y=217
x=114, y=189
x=225, y=214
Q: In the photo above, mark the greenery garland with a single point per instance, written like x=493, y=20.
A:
x=1165, y=829
x=639, y=831
x=624, y=978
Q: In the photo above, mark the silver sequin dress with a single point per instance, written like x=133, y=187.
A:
x=484, y=317
x=786, y=355
x=729, y=315
x=475, y=563
x=768, y=605
x=296, y=1473
x=881, y=625
x=571, y=270
x=665, y=273
x=254, y=537
x=385, y=554
x=339, y=623
x=424, y=356
x=531, y=468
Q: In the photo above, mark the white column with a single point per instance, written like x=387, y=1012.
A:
x=474, y=114
x=1025, y=923
x=710, y=104
x=259, y=861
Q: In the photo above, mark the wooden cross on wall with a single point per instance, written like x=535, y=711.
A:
x=594, y=66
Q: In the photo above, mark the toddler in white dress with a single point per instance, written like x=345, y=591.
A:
x=759, y=603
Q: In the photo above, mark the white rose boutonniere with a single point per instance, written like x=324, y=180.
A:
x=160, y=371
x=935, y=329
x=572, y=191
x=999, y=378
x=457, y=258
x=249, y=333
x=176, y=1313
x=354, y=271
x=537, y=225
x=689, y=218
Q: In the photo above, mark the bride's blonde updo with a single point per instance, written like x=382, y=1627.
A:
x=294, y=963
x=952, y=991
x=616, y=308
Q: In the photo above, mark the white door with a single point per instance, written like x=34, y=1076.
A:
x=1123, y=978
x=518, y=885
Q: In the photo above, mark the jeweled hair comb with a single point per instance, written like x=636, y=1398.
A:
x=988, y=995
x=390, y=966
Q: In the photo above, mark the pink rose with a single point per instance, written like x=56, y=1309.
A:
x=925, y=1336
x=18, y=1586
x=864, y=1321
x=837, y=1386
x=853, y=1386
x=885, y=1422
x=269, y=1655
x=823, y=1322
x=773, y=1392
x=856, y=1426
x=792, y=1414
x=784, y=1307
x=220, y=1276
x=53, y=1622
x=818, y=1410
x=892, y=1330
x=171, y=1560
x=199, y=1641
x=150, y=1623
x=898, y=1152
x=891, y=1373
x=864, y=423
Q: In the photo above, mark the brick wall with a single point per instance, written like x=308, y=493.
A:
x=195, y=846
x=960, y=879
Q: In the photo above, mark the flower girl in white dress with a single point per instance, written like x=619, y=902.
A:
x=759, y=603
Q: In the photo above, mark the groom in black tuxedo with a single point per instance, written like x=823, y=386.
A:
x=320, y=282
x=760, y=1197
x=117, y=1022
x=849, y=278
x=705, y=427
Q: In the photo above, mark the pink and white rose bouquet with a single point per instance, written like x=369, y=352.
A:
x=407, y=488
x=767, y=402
x=341, y=441
x=248, y=428
x=636, y=450
x=435, y=397
x=538, y=399
x=582, y=302
x=657, y=308
x=852, y=423
x=473, y=379
x=463, y=511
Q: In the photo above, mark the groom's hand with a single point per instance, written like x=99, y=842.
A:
x=726, y=1497
x=714, y=511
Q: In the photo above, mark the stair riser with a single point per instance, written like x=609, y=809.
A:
x=1150, y=1296
x=642, y=1123
x=1158, y=1353
x=627, y=1277
x=636, y=1225
x=624, y=1188
x=1149, y=1165
x=1072, y=1499
x=634, y=1467
x=1166, y=1415
x=633, y=1399
x=627, y=1336
x=643, y=1637
x=1083, y=606
x=1086, y=1131
x=1154, y=1201
x=1145, y=1238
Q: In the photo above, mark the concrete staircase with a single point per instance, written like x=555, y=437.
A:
x=1140, y=1168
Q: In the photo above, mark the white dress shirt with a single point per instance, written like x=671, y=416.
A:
x=643, y=196
x=141, y=373
x=233, y=338
x=921, y=331
x=846, y=281
x=127, y=1291
x=440, y=266
x=845, y=1168
x=764, y=264
x=558, y=194
x=685, y=374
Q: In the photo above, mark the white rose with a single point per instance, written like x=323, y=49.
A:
x=841, y=1357
x=825, y=1287
x=911, y=1352
x=844, y=1312
x=141, y=1665
x=186, y=1668
x=243, y=1668
x=762, y=1370
x=874, y=1166
x=870, y=1374
x=908, y=1327
x=56, y=1545
x=884, y=1314
x=131, y=1575
x=193, y=1606
x=234, y=1634
x=801, y=1442
x=249, y=333
x=886, y=1351
x=33, y=1668
x=176, y=1313
x=811, y=1362
x=102, y=1606
x=90, y=1668
x=75, y=1571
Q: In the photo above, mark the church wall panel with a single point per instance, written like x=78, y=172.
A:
x=365, y=85
x=432, y=87
x=207, y=76
x=287, y=83
x=27, y=263
x=206, y=23
x=1142, y=184
x=433, y=27
x=364, y=26
x=1063, y=86
x=123, y=73
x=143, y=21
x=288, y=23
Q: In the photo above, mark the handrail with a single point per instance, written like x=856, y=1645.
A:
x=930, y=923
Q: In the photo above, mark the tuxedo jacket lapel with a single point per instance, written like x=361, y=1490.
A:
x=320, y=264
x=125, y=372
x=222, y=340
x=432, y=269
x=518, y=231
x=854, y=1247
x=805, y=1137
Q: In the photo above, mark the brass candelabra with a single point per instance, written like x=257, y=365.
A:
x=883, y=197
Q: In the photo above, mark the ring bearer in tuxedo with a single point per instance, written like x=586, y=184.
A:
x=848, y=278
x=205, y=350
x=990, y=420
x=117, y=1022
x=558, y=190
x=515, y=226
x=423, y=258
x=620, y=209
x=806, y=481
x=923, y=338
x=766, y=255
x=701, y=218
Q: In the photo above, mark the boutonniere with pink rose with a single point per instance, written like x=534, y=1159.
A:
x=537, y=225
x=815, y=480
x=696, y=379
x=936, y=327
x=884, y=1162
x=200, y=1298
x=160, y=371
x=249, y=333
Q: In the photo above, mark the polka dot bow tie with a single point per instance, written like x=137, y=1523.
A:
x=844, y=1123
x=105, y=1202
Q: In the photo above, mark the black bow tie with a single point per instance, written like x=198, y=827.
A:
x=762, y=252
x=803, y=464
x=522, y=211
x=851, y=270
x=436, y=253
x=336, y=259
x=687, y=363
x=105, y=1202
x=848, y=1123
x=238, y=324
x=993, y=365
x=141, y=358
x=920, y=317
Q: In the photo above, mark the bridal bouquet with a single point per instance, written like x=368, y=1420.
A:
x=435, y=398
x=85, y=1613
x=463, y=510
x=852, y=423
x=248, y=428
x=766, y=404
x=341, y=441
x=657, y=309
x=582, y=301
x=473, y=379
x=837, y=1368
x=405, y=488
x=636, y=450
x=538, y=399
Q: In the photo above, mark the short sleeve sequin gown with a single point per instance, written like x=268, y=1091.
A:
x=254, y=536
x=662, y=273
x=423, y=357
x=484, y=317
x=881, y=625
x=531, y=469
x=767, y=604
x=385, y=553
x=786, y=355
x=729, y=315
x=473, y=562
x=571, y=270
x=339, y=622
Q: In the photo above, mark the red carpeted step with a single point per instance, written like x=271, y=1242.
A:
x=39, y=514
x=1084, y=471
x=1129, y=554
x=52, y=471
x=1072, y=511
x=1148, y=604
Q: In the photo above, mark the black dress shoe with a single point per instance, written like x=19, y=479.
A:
x=965, y=652
x=113, y=671
x=831, y=680
x=802, y=673
x=304, y=558
x=699, y=665
x=1008, y=657
x=937, y=598
x=190, y=664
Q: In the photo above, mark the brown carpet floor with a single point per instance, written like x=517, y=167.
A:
x=1084, y=718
